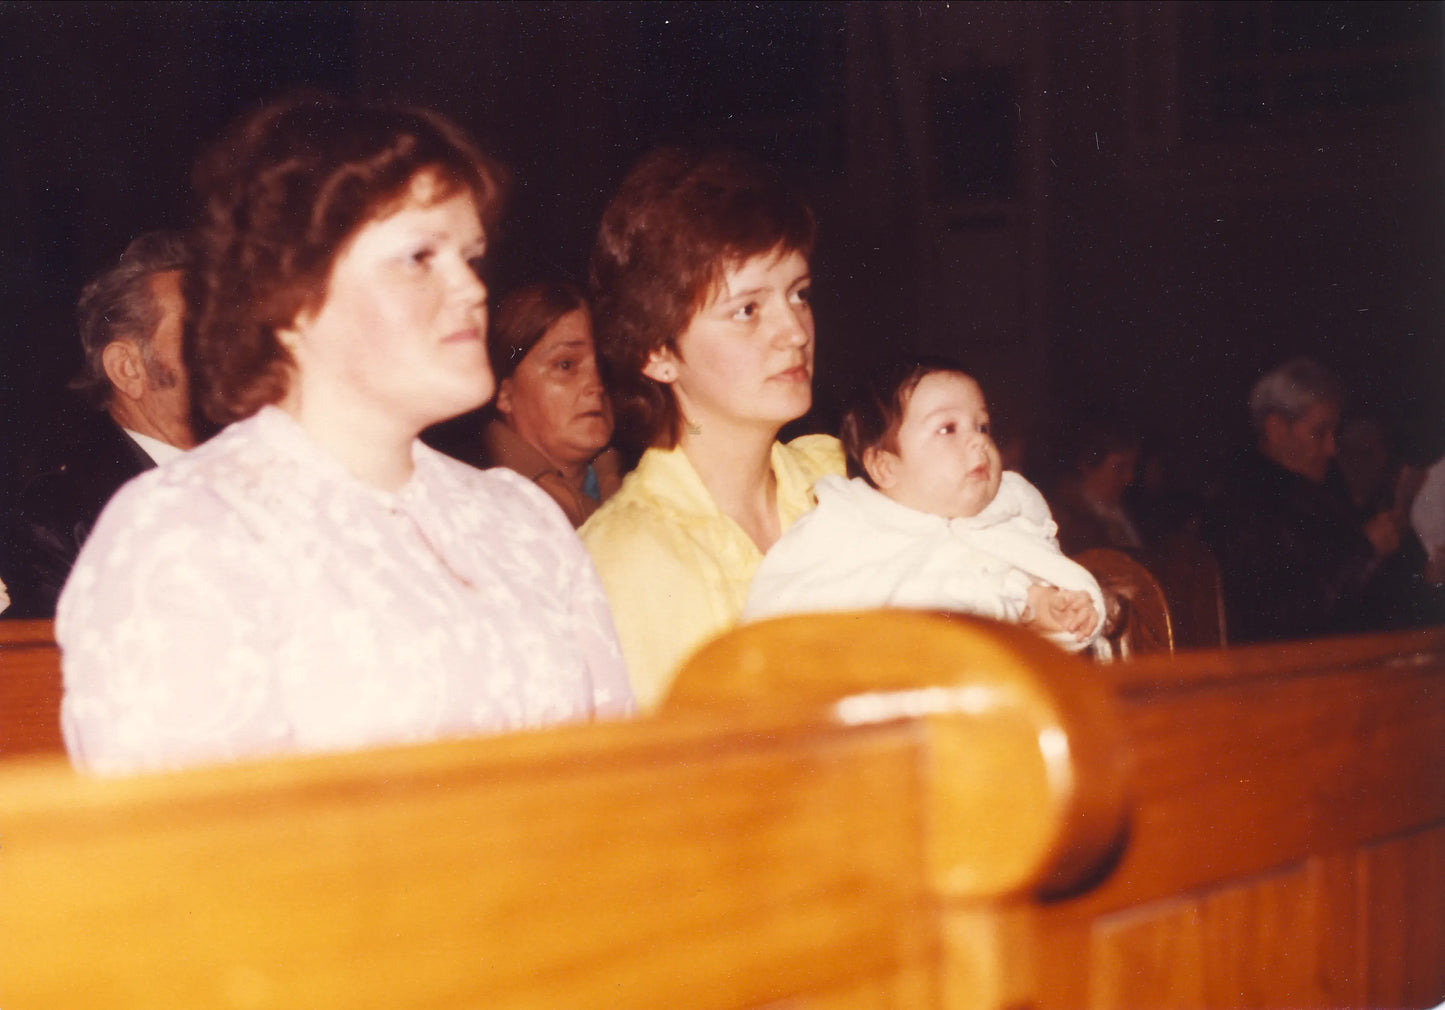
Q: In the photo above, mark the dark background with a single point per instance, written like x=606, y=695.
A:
x=1124, y=209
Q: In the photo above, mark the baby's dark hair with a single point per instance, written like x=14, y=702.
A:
x=874, y=409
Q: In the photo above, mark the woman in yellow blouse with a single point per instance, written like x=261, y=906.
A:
x=702, y=316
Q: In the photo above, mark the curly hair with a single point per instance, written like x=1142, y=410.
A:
x=120, y=304
x=524, y=317
x=678, y=222
x=874, y=409
x=284, y=191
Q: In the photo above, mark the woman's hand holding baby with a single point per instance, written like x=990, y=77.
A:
x=1052, y=609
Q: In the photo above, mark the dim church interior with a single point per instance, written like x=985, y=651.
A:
x=936, y=812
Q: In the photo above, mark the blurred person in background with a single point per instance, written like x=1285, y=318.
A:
x=1296, y=557
x=131, y=319
x=554, y=420
x=1088, y=499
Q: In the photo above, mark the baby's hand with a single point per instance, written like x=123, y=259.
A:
x=1078, y=614
x=1055, y=609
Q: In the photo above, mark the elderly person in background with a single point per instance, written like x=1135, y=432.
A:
x=1296, y=559
x=1427, y=519
x=314, y=577
x=702, y=289
x=554, y=419
x=1088, y=500
x=131, y=318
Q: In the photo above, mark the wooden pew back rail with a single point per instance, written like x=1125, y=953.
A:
x=858, y=811
x=30, y=689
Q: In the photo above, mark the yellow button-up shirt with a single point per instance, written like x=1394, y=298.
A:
x=675, y=569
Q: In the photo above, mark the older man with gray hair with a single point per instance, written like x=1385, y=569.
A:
x=1296, y=558
x=130, y=320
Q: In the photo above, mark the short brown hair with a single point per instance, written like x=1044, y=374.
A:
x=284, y=191
x=874, y=409
x=677, y=223
x=524, y=317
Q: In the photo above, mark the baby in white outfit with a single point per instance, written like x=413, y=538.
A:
x=929, y=520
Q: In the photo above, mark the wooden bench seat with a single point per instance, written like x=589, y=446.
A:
x=30, y=689
x=1287, y=834
x=1286, y=828
x=867, y=810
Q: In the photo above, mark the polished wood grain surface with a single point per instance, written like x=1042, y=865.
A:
x=30, y=689
x=1030, y=722
x=880, y=810
x=640, y=865
x=1281, y=797
x=1145, y=625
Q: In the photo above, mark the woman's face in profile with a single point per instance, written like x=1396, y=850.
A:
x=746, y=357
x=402, y=331
x=555, y=398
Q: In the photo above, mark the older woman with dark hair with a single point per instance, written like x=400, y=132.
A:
x=701, y=281
x=315, y=578
x=553, y=416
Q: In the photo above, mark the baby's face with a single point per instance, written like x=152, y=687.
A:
x=946, y=463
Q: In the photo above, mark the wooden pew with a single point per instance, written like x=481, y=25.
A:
x=1188, y=572
x=30, y=689
x=1146, y=623
x=1287, y=836
x=860, y=810
x=1286, y=833
x=791, y=858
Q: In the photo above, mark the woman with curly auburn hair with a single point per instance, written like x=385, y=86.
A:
x=701, y=285
x=314, y=577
